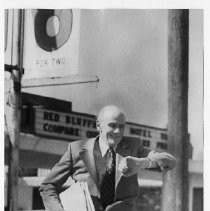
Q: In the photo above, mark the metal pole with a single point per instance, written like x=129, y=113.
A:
x=175, y=182
x=15, y=103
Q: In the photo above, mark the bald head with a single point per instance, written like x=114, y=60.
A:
x=109, y=111
x=110, y=124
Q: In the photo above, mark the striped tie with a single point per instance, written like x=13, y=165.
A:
x=107, y=188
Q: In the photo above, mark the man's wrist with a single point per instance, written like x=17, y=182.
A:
x=145, y=163
x=149, y=163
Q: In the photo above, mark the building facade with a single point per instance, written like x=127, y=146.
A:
x=47, y=127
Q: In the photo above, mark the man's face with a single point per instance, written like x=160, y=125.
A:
x=111, y=127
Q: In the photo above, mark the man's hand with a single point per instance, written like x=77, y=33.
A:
x=131, y=165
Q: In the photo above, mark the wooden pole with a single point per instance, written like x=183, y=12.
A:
x=175, y=182
x=15, y=103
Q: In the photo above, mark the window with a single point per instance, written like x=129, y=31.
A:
x=27, y=172
x=149, y=199
x=197, y=199
x=146, y=143
x=164, y=136
x=161, y=145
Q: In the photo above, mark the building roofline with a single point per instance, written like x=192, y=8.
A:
x=147, y=126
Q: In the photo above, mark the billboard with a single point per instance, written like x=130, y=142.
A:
x=51, y=42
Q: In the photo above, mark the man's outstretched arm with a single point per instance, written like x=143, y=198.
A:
x=154, y=161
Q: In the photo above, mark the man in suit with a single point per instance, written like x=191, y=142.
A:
x=108, y=163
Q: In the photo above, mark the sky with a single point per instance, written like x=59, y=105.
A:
x=127, y=51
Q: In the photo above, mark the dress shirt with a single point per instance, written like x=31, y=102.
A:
x=104, y=147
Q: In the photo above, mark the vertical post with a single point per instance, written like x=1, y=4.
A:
x=15, y=103
x=175, y=182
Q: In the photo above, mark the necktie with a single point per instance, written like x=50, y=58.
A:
x=107, y=187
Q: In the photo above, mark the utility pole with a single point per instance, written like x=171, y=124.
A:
x=15, y=103
x=175, y=182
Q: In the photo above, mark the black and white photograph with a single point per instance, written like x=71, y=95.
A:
x=103, y=109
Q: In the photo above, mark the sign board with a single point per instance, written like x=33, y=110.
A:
x=77, y=126
x=64, y=125
x=51, y=43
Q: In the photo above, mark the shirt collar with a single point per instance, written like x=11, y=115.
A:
x=104, y=147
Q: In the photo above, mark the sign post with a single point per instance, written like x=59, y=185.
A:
x=15, y=104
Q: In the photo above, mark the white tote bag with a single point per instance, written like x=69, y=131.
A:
x=77, y=198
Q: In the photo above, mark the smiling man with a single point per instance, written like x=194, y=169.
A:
x=110, y=124
x=108, y=163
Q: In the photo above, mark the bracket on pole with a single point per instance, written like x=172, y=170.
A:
x=57, y=81
x=10, y=68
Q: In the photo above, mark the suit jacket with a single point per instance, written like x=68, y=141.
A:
x=78, y=163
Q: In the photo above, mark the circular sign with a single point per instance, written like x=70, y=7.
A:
x=52, y=28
